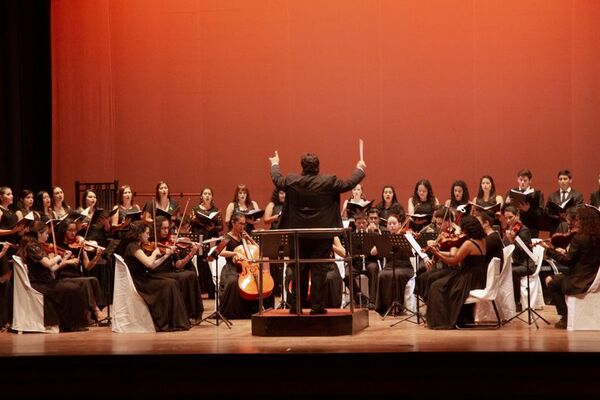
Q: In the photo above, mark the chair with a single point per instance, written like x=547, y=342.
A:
x=489, y=293
x=410, y=299
x=535, y=284
x=212, y=265
x=106, y=193
x=131, y=314
x=584, y=309
x=505, y=299
x=28, y=303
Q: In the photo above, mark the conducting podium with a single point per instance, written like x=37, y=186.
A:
x=283, y=246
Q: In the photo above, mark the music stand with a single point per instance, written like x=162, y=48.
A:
x=108, y=252
x=275, y=247
x=360, y=249
x=393, y=245
x=528, y=310
x=216, y=315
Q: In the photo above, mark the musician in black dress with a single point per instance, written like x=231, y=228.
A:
x=208, y=230
x=64, y=301
x=403, y=272
x=233, y=306
x=242, y=203
x=422, y=204
x=25, y=203
x=42, y=206
x=180, y=268
x=125, y=207
x=530, y=214
x=59, y=205
x=493, y=240
x=459, y=200
x=447, y=295
x=163, y=201
x=521, y=263
x=565, y=192
x=77, y=268
x=159, y=292
x=582, y=258
x=389, y=205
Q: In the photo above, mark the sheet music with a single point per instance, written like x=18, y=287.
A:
x=416, y=247
x=525, y=248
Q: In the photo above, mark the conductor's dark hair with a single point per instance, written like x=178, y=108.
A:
x=310, y=164
x=564, y=172
x=472, y=227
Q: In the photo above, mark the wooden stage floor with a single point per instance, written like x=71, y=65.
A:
x=380, y=360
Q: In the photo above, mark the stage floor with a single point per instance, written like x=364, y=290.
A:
x=379, y=337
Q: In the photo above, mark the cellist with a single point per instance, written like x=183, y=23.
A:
x=233, y=306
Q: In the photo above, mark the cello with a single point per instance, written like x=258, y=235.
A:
x=248, y=278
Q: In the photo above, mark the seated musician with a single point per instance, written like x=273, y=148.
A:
x=493, y=240
x=447, y=295
x=522, y=265
x=233, y=305
x=555, y=215
x=160, y=293
x=76, y=269
x=582, y=260
x=374, y=221
x=530, y=213
x=403, y=271
x=363, y=265
x=179, y=267
x=64, y=302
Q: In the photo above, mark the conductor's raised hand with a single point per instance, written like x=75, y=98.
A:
x=275, y=159
x=361, y=165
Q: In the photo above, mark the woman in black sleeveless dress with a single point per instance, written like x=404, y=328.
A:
x=447, y=295
x=162, y=201
x=389, y=205
x=242, y=203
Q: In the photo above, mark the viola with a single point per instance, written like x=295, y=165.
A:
x=49, y=248
x=452, y=240
x=248, y=278
x=150, y=247
x=88, y=245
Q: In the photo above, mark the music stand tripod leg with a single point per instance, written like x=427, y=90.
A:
x=216, y=315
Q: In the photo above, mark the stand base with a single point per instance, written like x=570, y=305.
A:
x=335, y=323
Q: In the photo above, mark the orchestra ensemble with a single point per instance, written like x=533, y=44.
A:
x=168, y=248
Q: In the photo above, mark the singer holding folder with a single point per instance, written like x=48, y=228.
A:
x=312, y=201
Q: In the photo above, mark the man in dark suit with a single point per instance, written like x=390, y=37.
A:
x=312, y=201
x=555, y=214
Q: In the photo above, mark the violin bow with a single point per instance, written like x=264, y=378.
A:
x=154, y=222
x=53, y=235
x=85, y=235
x=181, y=222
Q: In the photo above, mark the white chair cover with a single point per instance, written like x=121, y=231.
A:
x=220, y=261
x=28, y=303
x=535, y=284
x=131, y=314
x=584, y=309
x=505, y=299
x=410, y=300
x=491, y=284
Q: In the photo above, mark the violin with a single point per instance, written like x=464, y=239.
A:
x=150, y=247
x=88, y=245
x=49, y=248
x=248, y=278
x=516, y=227
x=560, y=240
x=452, y=240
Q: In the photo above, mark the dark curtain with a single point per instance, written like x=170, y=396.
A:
x=25, y=95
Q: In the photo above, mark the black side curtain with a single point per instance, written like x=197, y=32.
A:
x=25, y=95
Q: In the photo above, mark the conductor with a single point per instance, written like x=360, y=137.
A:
x=312, y=201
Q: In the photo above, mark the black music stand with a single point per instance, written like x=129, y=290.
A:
x=393, y=245
x=216, y=315
x=274, y=247
x=530, y=319
x=360, y=249
x=108, y=252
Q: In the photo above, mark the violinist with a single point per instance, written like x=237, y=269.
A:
x=389, y=205
x=243, y=203
x=582, y=259
x=25, y=203
x=120, y=220
x=208, y=231
x=59, y=205
x=233, y=306
x=532, y=211
x=160, y=293
x=422, y=204
x=180, y=268
x=447, y=295
x=521, y=265
x=64, y=301
x=557, y=215
x=403, y=272
x=76, y=269
x=561, y=239
x=162, y=200
x=493, y=240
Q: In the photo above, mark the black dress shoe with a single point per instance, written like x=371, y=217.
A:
x=561, y=324
x=319, y=311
